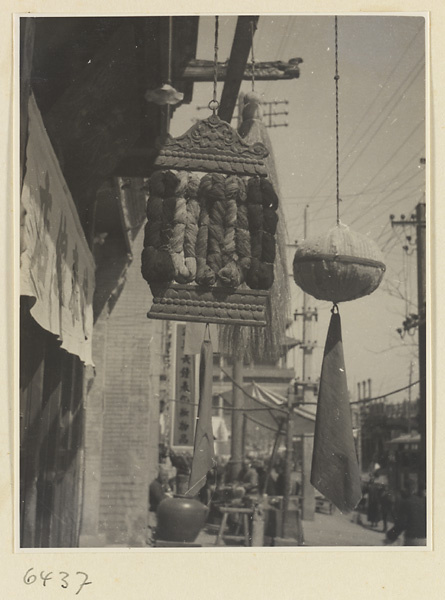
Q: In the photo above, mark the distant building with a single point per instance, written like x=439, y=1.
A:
x=380, y=422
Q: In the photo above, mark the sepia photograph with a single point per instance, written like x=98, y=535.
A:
x=223, y=282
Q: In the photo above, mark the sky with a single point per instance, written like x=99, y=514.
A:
x=381, y=63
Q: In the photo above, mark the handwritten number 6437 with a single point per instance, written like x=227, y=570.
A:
x=31, y=578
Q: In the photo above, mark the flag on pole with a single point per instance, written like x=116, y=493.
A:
x=203, y=453
x=335, y=471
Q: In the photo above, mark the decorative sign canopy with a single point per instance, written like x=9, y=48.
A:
x=213, y=146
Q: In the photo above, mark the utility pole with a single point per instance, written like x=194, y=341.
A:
x=409, y=396
x=418, y=221
x=288, y=462
x=360, y=427
x=421, y=301
x=271, y=113
x=307, y=441
x=306, y=344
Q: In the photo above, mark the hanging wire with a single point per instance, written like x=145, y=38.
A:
x=214, y=104
x=252, y=32
x=334, y=309
x=167, y=109
x=170, y=53
x=337, y=77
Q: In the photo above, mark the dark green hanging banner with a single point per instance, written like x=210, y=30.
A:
x=335, y=471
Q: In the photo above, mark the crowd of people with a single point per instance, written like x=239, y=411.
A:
x=410, y=517
x=400, y=513
x=379, y=503
x=404, y=510
x=252, y=479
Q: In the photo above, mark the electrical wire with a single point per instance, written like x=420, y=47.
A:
x=385, y=197
x=419, y=64
x=400, y=147
x=280, y=51
x=361, y=139
x=369, y=192
x=384, y=396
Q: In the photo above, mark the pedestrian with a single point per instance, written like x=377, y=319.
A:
x=221, y=471
x=258, y=465
x=373, y=503
x=411, y=518
x=386, y=506
x=248, y=477
x=159, y=489
x=280, y=480
x=374, y=467
x=206, y=492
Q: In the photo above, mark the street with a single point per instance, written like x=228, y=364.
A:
x=325, y=530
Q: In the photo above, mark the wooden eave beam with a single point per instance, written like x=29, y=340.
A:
x=242, y=43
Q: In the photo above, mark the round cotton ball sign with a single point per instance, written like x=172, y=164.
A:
x=339, y=266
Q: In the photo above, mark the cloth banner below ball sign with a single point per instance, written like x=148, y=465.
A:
x=335, y=471
x=203, y=453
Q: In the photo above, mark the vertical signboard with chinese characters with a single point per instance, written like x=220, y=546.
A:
x=184, y=421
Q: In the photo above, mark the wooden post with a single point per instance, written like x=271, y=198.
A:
x=198, y=70
x=244, y=436
x=308, y=507
x=273, y=455
x=237, y=419
x=258, y=525
x=242, y=42
x=288, y=464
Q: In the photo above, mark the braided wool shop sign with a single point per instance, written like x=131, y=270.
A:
x=209, y=247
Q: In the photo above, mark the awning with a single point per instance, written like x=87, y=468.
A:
x=404, y=439
x=220, y=431
x=269, y=409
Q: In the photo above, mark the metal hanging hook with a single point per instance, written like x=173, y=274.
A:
x=214, y=104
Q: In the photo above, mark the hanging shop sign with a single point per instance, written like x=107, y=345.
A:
x=339, y=266
x=209, y=247
x=184, y=413
x=343, y=265
x=56, y=265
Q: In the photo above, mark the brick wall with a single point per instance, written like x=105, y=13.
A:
x=124, y=402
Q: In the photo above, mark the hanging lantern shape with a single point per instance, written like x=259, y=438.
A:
x=342, y=265
x=209, y=246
